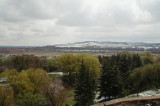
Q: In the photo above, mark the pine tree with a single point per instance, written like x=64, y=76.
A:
x=103, y=81
x=114, y=75
x=124, y=70
x=136, y=61
x=85, y=87
x=109, y=86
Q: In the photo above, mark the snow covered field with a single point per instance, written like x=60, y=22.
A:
x=147, y=93
x=142, y=94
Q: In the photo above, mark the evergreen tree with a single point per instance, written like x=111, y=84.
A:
x=100, y=58
x=123, y=67
x=136, y=62
x=85, y=87
x=109, y=86
x=103, y=81
x=114, y=75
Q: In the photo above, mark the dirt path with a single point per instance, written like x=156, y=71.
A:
x=69, y=97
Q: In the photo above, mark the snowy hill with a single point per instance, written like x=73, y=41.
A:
x=97, y=44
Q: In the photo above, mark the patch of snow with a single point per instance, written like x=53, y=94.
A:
x=110, y=44
x=100, y=99
x=147, y=93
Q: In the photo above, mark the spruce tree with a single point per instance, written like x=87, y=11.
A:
x=124, y=70
x=85, y=87
x=103, y=82
x=108, y=79
x=136, y=61
x=114, y=75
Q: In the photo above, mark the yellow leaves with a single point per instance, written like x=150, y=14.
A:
x=147, y=58
x=71, y=63
x=23, y=82
x=6, y=96
x=9, y=74
x=91, y=63
x=68, y=63
x=30, y=80
x=38, y=78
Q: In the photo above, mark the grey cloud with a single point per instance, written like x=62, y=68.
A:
x=109, y=15
x=152, y=6
x=43, y=22
x=36, y=9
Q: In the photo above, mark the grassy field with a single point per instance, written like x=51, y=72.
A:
x=69, y=102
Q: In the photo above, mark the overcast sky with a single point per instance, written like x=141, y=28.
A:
x=48, y=22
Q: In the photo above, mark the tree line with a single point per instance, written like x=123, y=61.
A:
x=128, y=73
x=28, y=84
x=23, y=62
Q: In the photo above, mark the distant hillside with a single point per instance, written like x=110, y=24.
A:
x=92, y=45
x=97, y=44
